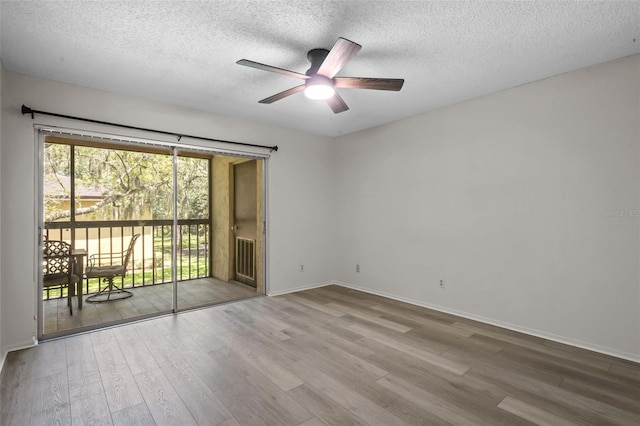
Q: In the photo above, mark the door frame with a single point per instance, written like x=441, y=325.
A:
x=41, y=130
x=260, y=222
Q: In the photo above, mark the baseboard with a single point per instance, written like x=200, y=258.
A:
x=3, y=357
x=17, y=347
x=514, y=327
x=300, y=288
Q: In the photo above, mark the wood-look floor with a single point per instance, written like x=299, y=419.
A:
x=145, y=301
x=329, y=356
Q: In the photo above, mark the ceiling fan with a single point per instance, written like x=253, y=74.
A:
x=320, y=81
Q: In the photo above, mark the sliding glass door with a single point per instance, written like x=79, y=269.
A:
x=150, y=229
x=114, y=206
x=206, y=190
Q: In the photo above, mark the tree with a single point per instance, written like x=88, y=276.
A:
x=128, y=185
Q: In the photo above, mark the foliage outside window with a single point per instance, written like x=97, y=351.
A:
x=122, y=185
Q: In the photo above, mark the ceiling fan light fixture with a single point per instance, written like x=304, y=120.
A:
x=319, y=88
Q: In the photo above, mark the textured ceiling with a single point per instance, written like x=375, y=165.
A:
x=185, y=52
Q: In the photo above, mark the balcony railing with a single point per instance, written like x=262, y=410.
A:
x=151, y=261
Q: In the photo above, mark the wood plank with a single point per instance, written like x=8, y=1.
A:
x=50, y=359
x=568, y=369
x=336, y=336
x=248, y=311
x=50, y=401
x=256, y=401
x=314, y=305
x=420, y=316
x=272, y=369
x=628, y=401
x=368, y=317
x=205, y=407
x=314, y=421
x=343, y=373
x=121, y=391
x=89, y=405
x=217, y=369
x=231, y=422
x=16, y=387
x=345, y=396
x=531, y=413
x=82, y=365
x=436, y=360
x=135, y=352
x=119, y=385
x=302, y=345
x=628, y=371
x=137, y=415
x=243, y=321
x=423, y=317
x=345, y=295
x=414, y=415
x=324, y=408
x=469, y=392
x=508, y=336
x=428, y=401
x=479, y=360
x=164, y=403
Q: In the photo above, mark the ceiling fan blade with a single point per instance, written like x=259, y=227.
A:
x=394, y=84
x=337, y=104
x=278, y=96
x=338, y=56
x=252, y=64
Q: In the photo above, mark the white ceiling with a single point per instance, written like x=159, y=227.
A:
x=184, y=53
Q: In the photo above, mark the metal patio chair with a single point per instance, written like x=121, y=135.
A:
x=106, y=267
x=57, y=269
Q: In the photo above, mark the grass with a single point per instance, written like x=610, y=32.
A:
x=137, y=278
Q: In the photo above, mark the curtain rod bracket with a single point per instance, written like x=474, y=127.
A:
x=27, y=110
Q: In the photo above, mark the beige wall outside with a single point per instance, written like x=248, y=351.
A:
x=221, y=241
x=222, y=219
x=143, y=254
x=259, y=229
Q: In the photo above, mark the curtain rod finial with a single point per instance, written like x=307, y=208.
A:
x=27, y=110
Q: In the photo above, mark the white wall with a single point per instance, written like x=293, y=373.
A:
x=506, y=198
x=298, y=184
x=2, y=345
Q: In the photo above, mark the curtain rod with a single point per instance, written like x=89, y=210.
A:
x=27, y=110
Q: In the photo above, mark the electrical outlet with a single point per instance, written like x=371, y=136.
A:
x=301, y=267
x=441, y=283
x=357, y=267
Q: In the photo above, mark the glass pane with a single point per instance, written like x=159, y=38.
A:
x=57, y=183
x=193, y=213
x=123, y=217
x=122, y=185
x=206, y=241
x=193, y=188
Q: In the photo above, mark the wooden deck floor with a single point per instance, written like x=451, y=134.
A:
x=145, y=301
x=328, y=356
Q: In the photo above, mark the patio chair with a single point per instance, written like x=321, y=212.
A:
x=58, y=268
x=106, y=267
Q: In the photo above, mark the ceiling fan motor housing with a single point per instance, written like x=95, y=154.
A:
x=316, y=57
